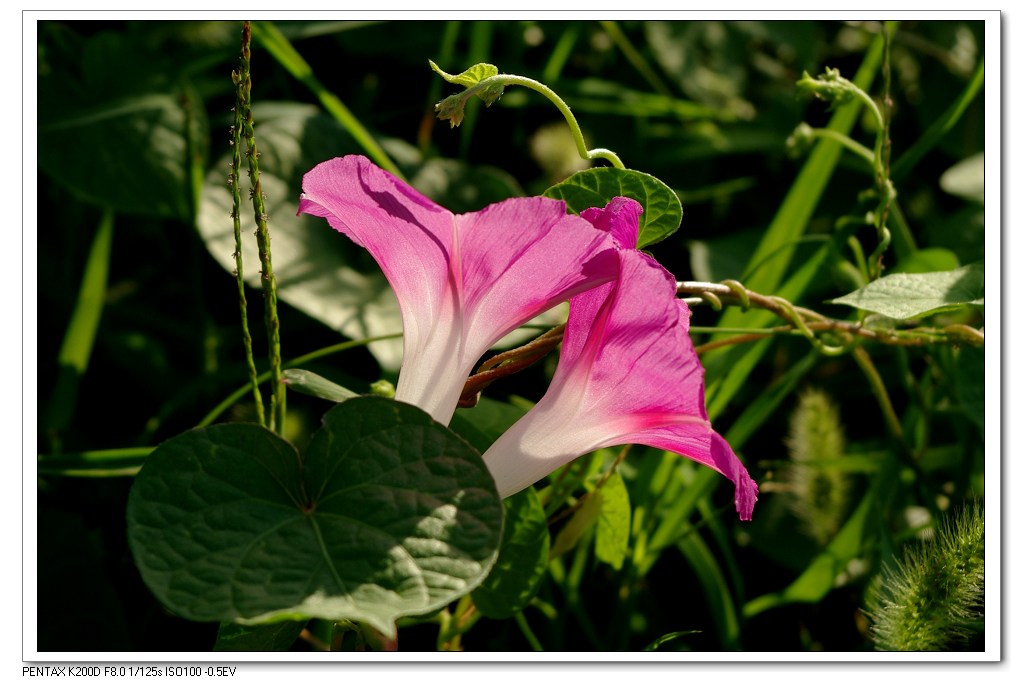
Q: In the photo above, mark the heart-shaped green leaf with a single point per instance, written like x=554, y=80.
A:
x=388, y=514
x=662, y=211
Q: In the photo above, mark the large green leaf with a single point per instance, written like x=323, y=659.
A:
x=906, y=296
x=388, y=514
x=662, y=211
x=522, y=560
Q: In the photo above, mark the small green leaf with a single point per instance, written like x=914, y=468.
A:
x=521, y=561
x=613, y=523
x=484, y=424
x=307, y=382
x=662, y=211
x=906, y=296
x=469, y=77
x=453, y=108
x=388, y=514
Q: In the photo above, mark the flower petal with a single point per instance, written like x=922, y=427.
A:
x=462, y=281
x=620, y=218
x=628, y=373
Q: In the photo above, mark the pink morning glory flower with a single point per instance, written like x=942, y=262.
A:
x=462, y=281
x=628, y=373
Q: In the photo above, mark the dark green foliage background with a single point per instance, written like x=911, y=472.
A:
x=711, y=123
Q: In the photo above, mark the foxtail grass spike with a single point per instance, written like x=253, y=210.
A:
x=819, y=490
x=933, y=599
x=234, y=183
x=269, y=283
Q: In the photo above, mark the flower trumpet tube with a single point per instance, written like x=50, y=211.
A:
x=462, y=281
x=628, y=373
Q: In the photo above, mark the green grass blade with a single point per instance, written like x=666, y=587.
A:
x=73, y=358
x=94, y=463
x=939, y=128
x=270, y=37
x=714, y=587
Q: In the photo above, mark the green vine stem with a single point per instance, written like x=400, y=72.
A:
x=832, y=86
x=243, y=81
x=809, y=323
x=490, y=88
x=236, y=213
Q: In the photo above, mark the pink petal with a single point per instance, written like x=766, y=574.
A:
x=620, y=218
x=462, y=281
x=628, y=373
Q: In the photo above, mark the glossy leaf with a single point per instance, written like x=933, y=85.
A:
x=595, y=187
x=388, y=514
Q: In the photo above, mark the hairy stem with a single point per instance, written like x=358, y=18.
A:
x=275, y=421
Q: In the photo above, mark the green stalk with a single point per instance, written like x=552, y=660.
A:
x=275, y=421
x=233, y=181
x=490, y=88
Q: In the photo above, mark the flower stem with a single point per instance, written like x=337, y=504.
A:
x=573, y=125
x=275, y=421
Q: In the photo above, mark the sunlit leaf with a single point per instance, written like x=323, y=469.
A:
x=662, y=211
x=388, y=514
x=612, y=543
x=470, y=77
x=907, y=296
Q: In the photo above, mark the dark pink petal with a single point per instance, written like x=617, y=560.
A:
x=628, y=373
x=620, y=218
